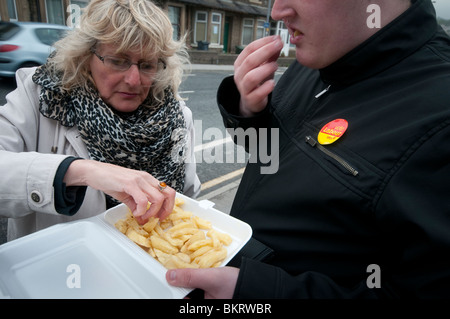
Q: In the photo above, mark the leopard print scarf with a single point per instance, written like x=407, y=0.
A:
x=151, y=139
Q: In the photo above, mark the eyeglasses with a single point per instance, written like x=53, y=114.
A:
x=123, y=64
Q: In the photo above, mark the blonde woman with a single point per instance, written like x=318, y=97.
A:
x=99, y=124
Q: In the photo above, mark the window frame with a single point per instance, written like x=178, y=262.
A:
x=219, y=27
x=247, y=27
x=14, y=8
x=200, y=21
x=178, y=23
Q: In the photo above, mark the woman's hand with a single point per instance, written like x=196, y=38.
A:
x=254, y=70
x=217, y=283
x=131, y=187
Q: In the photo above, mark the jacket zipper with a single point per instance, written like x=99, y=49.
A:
x=323, y=92
x=312, y=142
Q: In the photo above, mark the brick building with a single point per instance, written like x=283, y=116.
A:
x=48, y=11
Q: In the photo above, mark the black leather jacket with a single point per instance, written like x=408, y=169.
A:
x=329, y=226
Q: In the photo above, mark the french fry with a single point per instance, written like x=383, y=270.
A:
x=122, y=226
x=152, y=222
x=166, y=223
x=151, y=252
x=211, y=257
x=179, y=201
x=200, y=251
x=199, y=235
x=184, y=257
x=183, y=240
x=179, y=213
x=138, y=238
x=163, y=245
x=162, y=256
x=181, y=226
x=202, y=223
x=132, y=223
x=224, y=238
x=179, y=263
x=184, y=231
x=200, y=243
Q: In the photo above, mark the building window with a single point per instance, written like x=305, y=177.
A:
x=216, y=26
x=273, y=27
x=80, y=3
x=247, y=31
x=201, y=22
x=260, y=30
x=12, y=12
x=175, y=18
x=55, y=11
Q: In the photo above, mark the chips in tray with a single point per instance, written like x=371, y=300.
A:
x=182, y=240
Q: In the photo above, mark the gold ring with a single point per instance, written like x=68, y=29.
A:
x=162, y=186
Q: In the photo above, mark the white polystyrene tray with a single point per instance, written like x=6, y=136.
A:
x=109, y=264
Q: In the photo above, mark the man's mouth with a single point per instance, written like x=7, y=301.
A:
x=294, y=33
x=296, y=36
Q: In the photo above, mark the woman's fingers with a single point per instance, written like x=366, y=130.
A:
x=151, y=200
x=131, y=187
x=161, y=203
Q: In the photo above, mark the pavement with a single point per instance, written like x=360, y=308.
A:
x=211, y=67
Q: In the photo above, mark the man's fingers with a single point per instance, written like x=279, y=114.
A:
x=254, y=58
x=254, y=46
x=218, y=282
x=256, y=77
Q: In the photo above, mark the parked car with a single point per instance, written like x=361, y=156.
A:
x=26, y=44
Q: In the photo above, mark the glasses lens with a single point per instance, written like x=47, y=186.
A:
x=118, y=64
x=122, y=64
x=148, y=67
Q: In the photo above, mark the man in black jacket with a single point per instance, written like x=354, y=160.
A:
x=359, y=206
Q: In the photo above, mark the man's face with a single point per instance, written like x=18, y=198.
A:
x=323, y=30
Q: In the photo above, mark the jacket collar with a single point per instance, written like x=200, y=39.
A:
x=391, y=44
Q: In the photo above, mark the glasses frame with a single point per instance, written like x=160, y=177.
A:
x=138, y=64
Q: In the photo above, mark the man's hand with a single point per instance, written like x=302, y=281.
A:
x=217, y=283
x=254, y=70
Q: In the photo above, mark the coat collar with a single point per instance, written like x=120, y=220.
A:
x=390, y=45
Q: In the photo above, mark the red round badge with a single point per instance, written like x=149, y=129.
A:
x=332, y=131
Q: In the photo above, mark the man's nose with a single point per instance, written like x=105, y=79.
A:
x=281, y=10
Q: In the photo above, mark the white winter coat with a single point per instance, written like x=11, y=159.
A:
x=28, y=166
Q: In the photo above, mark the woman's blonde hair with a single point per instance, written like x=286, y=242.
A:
x=128, y=25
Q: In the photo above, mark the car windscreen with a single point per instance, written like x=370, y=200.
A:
x=8, y=30
x=49, y=36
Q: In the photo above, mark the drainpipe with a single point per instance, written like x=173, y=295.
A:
x=38, y=11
